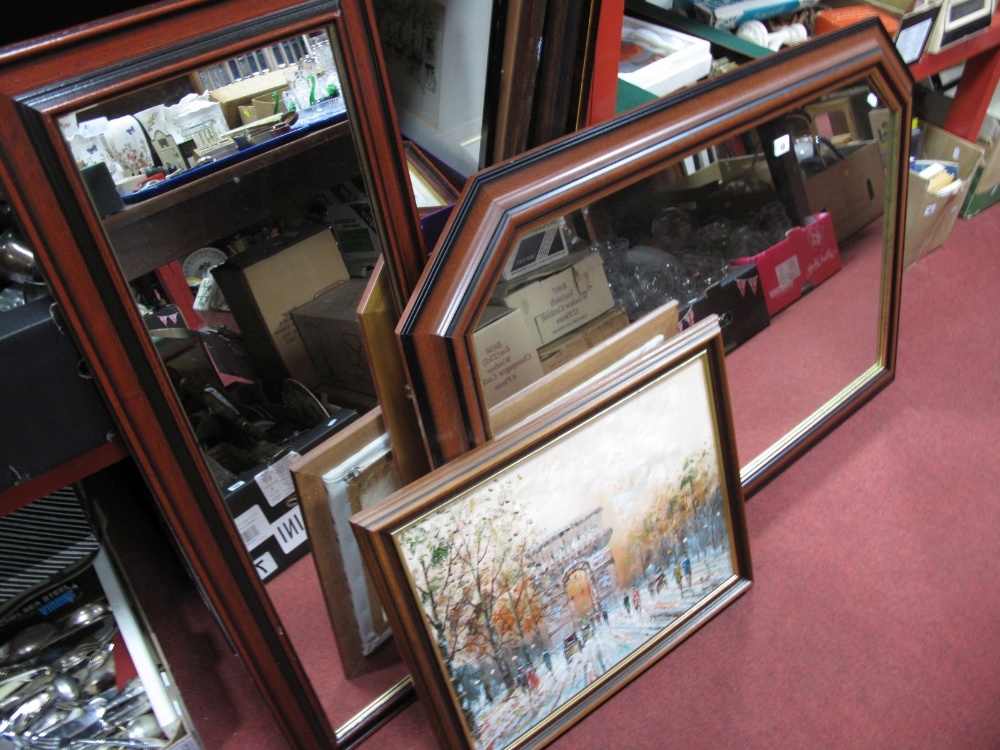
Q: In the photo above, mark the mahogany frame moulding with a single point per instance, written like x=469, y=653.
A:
x=44, y=78
x=437, y=325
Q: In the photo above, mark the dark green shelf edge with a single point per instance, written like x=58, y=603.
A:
x=717, y=37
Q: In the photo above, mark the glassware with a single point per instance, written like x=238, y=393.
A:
x=673, y=225
x=774, y=221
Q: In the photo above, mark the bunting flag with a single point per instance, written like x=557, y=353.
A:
x=753, y=283
x=168, y=320
x=741, y=284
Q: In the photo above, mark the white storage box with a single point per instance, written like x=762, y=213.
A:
x=660, y=60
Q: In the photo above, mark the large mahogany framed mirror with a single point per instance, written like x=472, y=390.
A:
x=63, y=96
x=664, y=200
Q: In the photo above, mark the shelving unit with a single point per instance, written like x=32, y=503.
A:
x=981, y=73
x=980, y=54
x=225, y=201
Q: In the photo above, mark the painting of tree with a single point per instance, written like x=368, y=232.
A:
x=538, y=580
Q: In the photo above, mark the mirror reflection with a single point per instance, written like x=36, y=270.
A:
x=234, y=200
x=777, y=231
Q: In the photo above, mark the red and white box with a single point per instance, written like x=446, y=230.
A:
x=806, y=257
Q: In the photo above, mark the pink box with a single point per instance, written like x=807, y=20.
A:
x=806, y=257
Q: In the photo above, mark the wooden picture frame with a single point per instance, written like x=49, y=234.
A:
x=337, y=478
x=653, y=330
x=533, y=555
x=431, y=189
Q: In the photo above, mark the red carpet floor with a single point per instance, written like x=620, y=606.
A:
x=873, y=618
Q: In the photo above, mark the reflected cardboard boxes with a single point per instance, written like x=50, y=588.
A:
x=739, y=301
x=572, y=292
x=262, y=285
x=554, y=310
x=851, y=190
x=806, y=257
x=331, y=331
x=505, y=352
x=265, y=505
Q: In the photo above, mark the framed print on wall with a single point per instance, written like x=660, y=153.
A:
x=529, y=580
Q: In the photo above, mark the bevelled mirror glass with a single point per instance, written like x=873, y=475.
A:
x=770, y=197
x=216, y=170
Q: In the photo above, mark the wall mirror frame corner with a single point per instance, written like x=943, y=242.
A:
x=505, y=204
x=44, y=80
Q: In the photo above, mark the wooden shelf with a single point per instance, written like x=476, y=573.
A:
x=169, y=226
x=987, y=42
x=981, y=55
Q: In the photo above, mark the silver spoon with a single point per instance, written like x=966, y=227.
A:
x=26, y=690
x=31, y=640
x=25, y=714
x=14, y=682
x=146, y=728
x=85, y=615
x=66, y=687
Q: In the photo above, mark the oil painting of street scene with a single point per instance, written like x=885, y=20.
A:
x=554, y=571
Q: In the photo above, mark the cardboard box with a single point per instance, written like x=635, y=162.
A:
x=505, y=352
x=567, y=348
x=573, y=293
x=738, y=300
x=244, y=92
x=984, y=189
x=805, y=258
x=265, y=506
x=349, y=214
x=262, y=285
x=931, y=216
x=852, y=191
x=330, y=329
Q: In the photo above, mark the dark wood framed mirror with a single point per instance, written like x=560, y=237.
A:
x=103, y=246
x=726, y=149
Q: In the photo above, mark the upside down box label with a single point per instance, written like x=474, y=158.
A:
x=505, y=353
x=565, y=300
